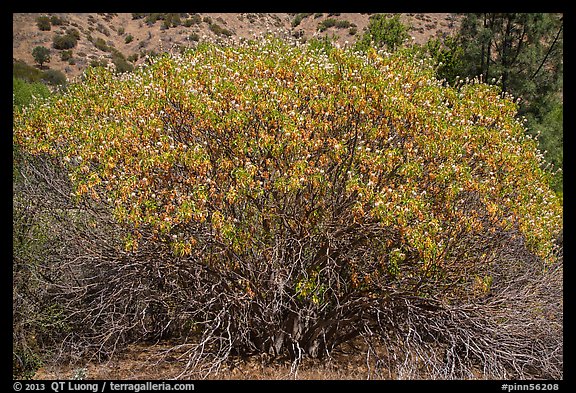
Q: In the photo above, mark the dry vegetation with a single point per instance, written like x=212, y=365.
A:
x=114, y=28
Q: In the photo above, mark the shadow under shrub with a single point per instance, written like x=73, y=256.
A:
x=269, y=198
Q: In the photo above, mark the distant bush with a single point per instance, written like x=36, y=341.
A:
x=43, y=23
x=383, y=31
x=66, y=41
x=98, y=63
x=342, y=24
x=133, y=58
x=194, y=37
x=120, y=31
x=129, y=38
x=194, y=19
x=299, y=18
x=57, y=21
x=73, y=32
x=169, y=19
x=331, y=22
x=100, y=43
x=120, y=62
x=219, y=30
x=326, y=23
x=172, y=20
x=153, y=17
x=102, y=29
x=26, y=72
x=54, y=78
x=66, y=55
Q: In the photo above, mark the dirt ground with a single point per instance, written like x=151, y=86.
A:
x=152, y=362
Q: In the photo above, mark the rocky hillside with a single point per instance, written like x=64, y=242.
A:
x=101, y=37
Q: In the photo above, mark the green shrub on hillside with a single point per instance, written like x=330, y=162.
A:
x=66, y=55
x=67, y=41
x=343, y=24
x=54, y=78
x=73, y=32
x=285, y=200
x=24, y=92
x=194, y=19
x=31, y=74
x=100, y=43
x=383, y=31
x=133, y=58
x=219, y=30
x=332, y=22
x=55, y=20
x=120, y=62
x=26, y=72
x=299, y=18
x=43, y=23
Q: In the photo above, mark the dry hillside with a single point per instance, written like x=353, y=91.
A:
x=115, y=30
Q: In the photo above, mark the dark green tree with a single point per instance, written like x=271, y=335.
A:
x=41, y=55
x=523, y=53
x=43, y=23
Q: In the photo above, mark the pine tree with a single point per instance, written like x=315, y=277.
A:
x=523, y=53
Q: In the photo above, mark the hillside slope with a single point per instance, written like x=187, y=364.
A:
x=115, y=29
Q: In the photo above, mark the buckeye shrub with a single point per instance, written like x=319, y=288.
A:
x=301, y=199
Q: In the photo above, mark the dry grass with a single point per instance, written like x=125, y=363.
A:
x=26, y=34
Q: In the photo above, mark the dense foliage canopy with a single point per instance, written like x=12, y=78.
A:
x=191, y=136
x=296, y=199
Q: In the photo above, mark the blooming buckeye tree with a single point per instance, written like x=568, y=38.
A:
x=274, y=198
